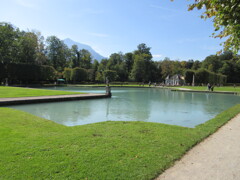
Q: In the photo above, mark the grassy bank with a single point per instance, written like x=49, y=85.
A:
x=35, y=148
x=203, y=88
x=6, y=92
x=197, y=88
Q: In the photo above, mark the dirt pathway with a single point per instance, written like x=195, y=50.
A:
x=216, y=158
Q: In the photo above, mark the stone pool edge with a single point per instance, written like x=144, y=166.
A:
x=196, y=91
x=44, y=99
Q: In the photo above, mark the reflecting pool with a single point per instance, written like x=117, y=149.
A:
x=135, y=104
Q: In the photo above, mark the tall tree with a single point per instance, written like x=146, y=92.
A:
x=74, y=57
x=8, y=43
x=56, y=53
x=144, y=51
x=227, y=55
x=128, y=59
x=28, y=44
x=95, y=65
x=138, y=70
x=41, y=58
x=166, y=67
x=115, y=59
x=86, y=59
x=212, y=63
x=67, y=73
x=196, y=65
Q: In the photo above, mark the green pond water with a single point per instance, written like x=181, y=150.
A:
x=135, y=104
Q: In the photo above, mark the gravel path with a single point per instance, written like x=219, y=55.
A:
x=216, y=158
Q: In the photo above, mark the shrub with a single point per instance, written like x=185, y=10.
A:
x=79, y=74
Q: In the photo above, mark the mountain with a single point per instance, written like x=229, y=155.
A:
x=70, y=42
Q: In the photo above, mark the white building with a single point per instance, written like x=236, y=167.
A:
x=176, y=80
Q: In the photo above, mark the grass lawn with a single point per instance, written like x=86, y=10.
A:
x=7, y=92
x=203, y=88
x=35, y=148
x=198, y=88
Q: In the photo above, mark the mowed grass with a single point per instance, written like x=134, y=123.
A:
x=8, y=92
x=204, y=88
x=35, y=148
x=197, y=88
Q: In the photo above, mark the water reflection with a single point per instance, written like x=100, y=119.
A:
x=135, y=104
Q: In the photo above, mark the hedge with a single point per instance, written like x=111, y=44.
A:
x=26, y=73
x=203, y=76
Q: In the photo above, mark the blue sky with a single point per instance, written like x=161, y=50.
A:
x=111, y=26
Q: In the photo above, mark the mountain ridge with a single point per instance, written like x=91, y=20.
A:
x=69, y=42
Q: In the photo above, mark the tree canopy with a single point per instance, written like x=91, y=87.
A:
x=226, y=18
x=25, y=57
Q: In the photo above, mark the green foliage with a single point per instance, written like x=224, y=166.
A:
x=110, y=75
x=23, y=72
x=143, y=49
x=91, y=75
x=196, y=65
x=143, y=68
x=29, y=48
x=138, y=70
x=56, y=53
x=28, y=43
x=128, y=59
x=204, y=76
x=48, y=73
x=8, y=43
x=226, y=18
x=85, y=59
x=74, y=57
x=40, y=55
x=95, y=65
x=79, y=74
x=26, y=73
x=189, y=76
x=2, y=72
x=21, y=47
x=67, y=73
x=166, y=67
x=212, y=63
x=99, y=77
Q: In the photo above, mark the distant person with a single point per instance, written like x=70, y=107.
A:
x=149, y=84
x=209, y=86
